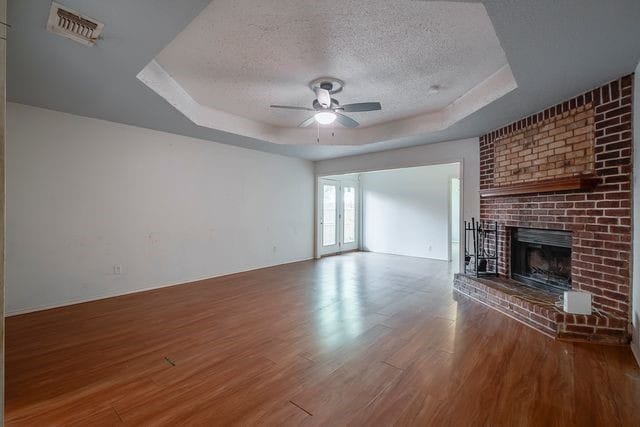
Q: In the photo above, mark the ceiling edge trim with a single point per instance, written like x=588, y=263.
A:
x=489, y=90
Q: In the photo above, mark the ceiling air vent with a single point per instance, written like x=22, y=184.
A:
x=72, y=25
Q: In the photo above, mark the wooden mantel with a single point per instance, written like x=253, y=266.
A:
x=546, y=186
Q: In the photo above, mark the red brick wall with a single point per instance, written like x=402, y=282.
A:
x=600, y=220
x=557, y=147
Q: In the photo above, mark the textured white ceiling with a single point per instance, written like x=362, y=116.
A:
x=240, y=56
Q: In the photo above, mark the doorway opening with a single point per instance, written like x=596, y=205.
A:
x=413, y=211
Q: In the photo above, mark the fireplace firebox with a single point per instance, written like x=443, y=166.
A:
x=541, y=258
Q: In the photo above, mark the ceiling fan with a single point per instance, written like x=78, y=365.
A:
x=327, y=109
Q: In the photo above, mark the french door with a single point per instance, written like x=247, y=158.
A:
x=338, y=215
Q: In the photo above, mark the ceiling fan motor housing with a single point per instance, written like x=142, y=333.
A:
x=334, y=104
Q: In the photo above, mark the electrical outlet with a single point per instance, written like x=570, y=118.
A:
x=117, y=269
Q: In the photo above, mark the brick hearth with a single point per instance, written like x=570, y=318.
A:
x=588, y=135
x=537, y=308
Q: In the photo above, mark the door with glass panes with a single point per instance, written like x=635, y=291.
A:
x=338, y=203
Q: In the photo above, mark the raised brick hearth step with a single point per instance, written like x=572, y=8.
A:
x=537, y=308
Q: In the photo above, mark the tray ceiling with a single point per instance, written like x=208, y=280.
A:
x=240, y=56
x=553, y=50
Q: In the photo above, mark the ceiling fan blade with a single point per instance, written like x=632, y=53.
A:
x=288, y=107
x=346, y=121
x=362, y=106
x=311, y=120
x=324, y=97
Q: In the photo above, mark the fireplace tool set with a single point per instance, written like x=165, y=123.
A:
x=481, y=248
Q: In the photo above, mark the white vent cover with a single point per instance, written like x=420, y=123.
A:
x=72, y=25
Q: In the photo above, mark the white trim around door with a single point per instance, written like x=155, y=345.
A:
x=338, y=216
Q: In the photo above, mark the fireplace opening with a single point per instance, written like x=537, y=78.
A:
x=541, y=258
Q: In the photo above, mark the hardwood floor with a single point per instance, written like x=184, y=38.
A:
x=359, y=339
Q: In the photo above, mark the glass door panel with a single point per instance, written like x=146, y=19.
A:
x=329, y=214
x=349, y=218
x=338, y=214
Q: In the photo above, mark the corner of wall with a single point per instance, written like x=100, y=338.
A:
x=635, y=292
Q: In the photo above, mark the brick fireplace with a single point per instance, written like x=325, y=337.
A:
x=566, y=169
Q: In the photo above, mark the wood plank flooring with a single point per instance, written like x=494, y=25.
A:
x=358, y=339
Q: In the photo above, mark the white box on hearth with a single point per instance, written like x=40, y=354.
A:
x=577, y=302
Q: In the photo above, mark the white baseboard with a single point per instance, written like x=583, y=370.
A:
x=10, y=313
x=408, y=256
x=96, y=298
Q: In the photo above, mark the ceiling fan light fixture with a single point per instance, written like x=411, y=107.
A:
x=325, y=117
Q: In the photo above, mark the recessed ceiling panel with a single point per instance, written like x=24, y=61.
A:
x=240, y=56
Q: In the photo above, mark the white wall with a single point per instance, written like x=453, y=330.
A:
x=455, y=210
x=466, y=151
x=636, y=217
x=406, y=211
x=84, y=195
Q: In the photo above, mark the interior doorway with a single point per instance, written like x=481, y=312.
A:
x=338, y=201
x=412, y=211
